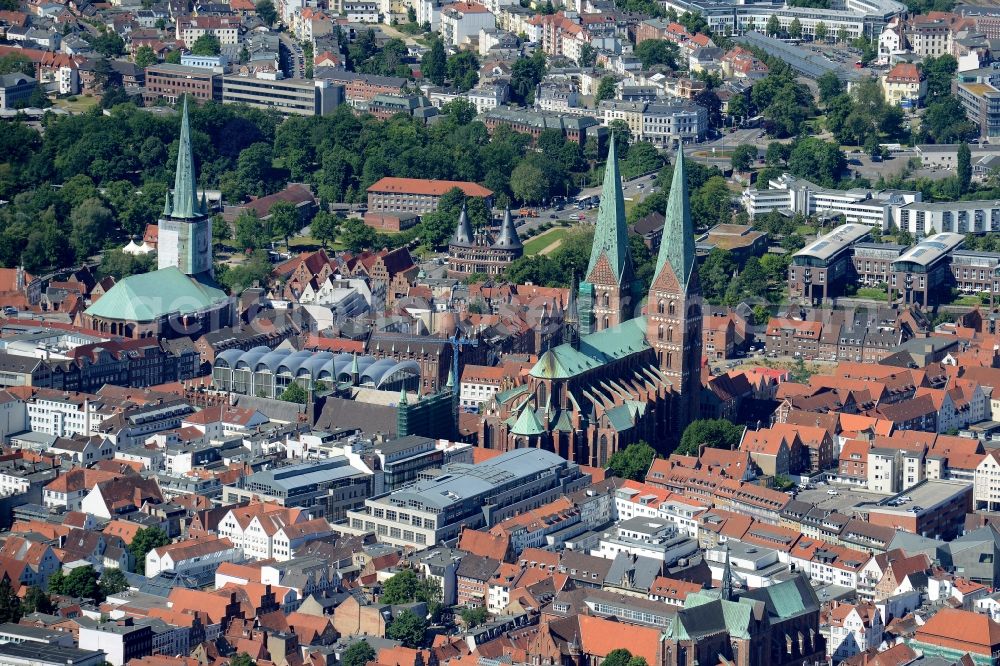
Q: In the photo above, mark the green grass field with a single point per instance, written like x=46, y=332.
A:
x=81, y=104
x=540, y=242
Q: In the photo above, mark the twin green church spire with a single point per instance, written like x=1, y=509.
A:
x=611, y=234
x=677, y=242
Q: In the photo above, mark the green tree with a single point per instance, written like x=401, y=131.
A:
x=939, y=73
x=632, y=462
x=743, y=157
x=324, y=227
x=113, y=581
x=773, y=26
x=622, y=657
x=36, y=601
x=82, y=584
x=605, y=89
x=829, y=86
x=401, y=588
x=145, y=56
x=528, y=182
x=817, y=160
x=434, y=63
x=56, y=582
x=621, y=133
x=119, y=265
x=108, y=44
x=795, y=29
x=266, y=11
x=525, y=75
x=254, y=271
x=294, y=393
x=717, y=433
x=738, y=107
x=285, y=220
x=14, y=63
x=408, y=628
x=473, y=617
x=173, y=57
x=841, y=35
x=964, y=172
x=359, y=654
x=657, y=52
x=144, y=541
x=945, y=121
x=357, y=236
x=221, y=230
x=90, y=222
x=10, y=605
x=715, y=273
x=588, y=56
x=206, y=45
x=242, y=659
x=463, y=70
x=821, y=31
x=251, y=233
x=642, y=158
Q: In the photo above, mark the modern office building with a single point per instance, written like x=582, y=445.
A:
x=922, y=272
x=923, y=218
x=290, y=97
x=327, y=489
x=976, y=272
x=873, y=262
x=15, y=89
x=428, y=512
x=981, y=102
x=873, y=208
x=171, y=82
x=818, y=270
x=857, y=17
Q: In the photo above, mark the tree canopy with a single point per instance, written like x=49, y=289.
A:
x=632, y=462
x=144, y=541
x=716, y=433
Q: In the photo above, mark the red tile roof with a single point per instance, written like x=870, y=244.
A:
x=429, y=187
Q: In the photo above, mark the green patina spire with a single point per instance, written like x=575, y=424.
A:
x=402, y=397
x=204, y=203
x=167, y=209
x=185, y=189
x=677, y=242
x=611, y=235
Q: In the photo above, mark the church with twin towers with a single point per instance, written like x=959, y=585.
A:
x=629, y=367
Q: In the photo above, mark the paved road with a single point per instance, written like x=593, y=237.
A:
x=292, y=59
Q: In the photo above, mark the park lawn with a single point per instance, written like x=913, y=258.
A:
x=543, y=240
x=967, y=299
x=81, y=104
x=872, y=294
x=308, y=243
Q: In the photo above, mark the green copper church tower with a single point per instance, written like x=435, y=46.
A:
x=606, y=296
x=185, y=233
x=674, y=318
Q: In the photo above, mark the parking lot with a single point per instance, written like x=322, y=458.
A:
x=844, y=501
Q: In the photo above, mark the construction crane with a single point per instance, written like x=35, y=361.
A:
x=457, y=341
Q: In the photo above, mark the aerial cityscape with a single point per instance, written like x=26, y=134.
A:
x=499, y=333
